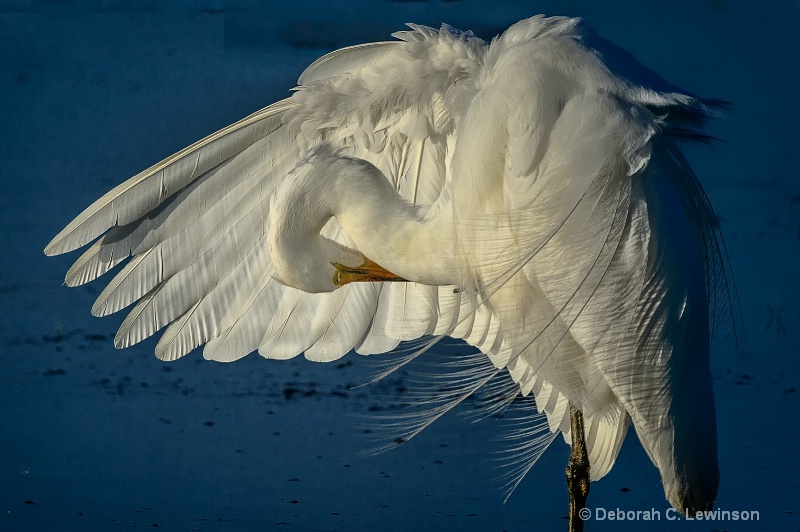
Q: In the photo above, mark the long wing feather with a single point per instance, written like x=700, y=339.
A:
x=345, y=60
x=145, y=191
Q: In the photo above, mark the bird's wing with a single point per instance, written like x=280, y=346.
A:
x=192, y=227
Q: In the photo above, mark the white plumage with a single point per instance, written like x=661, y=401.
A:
x=532, y=191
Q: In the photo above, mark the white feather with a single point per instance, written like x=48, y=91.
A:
x=147, y=190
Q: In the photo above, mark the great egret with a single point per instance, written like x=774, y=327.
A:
x=529, y=194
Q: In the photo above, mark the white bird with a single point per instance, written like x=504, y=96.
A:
x=530, y=191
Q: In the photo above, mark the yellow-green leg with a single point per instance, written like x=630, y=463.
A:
x=578, y=471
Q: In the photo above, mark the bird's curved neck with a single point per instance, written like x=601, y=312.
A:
x=416, y=243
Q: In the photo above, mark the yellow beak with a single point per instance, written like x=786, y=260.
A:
x=368, y=272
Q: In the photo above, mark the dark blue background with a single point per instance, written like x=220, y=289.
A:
x=91, y=438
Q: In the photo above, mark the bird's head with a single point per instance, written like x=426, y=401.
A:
x=300, y=209
x=317, y=264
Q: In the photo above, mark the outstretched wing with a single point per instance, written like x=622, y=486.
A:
x=192, y=227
